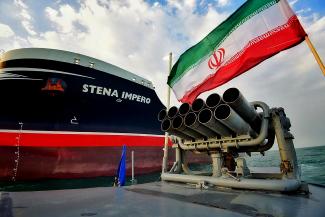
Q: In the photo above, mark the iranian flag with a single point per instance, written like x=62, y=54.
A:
x=258, y=30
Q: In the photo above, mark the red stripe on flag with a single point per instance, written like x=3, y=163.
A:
x=252, y=56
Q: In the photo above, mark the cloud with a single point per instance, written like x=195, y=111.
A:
x=138, y=37
x=9, y=40
x=63, y=18
x=131, y=34
x=222, y=3
x=26, y=18
x=293, y=2
x=6, y=31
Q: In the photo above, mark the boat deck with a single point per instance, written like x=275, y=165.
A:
x=161, y=199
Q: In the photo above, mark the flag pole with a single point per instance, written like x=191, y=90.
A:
x=165, y=158
x=313, y=50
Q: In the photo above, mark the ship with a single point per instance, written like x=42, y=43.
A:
x=67, y=115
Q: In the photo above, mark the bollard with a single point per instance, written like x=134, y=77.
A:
x=133, y=181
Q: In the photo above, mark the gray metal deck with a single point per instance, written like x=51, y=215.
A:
x=160, y=199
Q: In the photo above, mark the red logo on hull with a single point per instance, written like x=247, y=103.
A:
x=217, y=58
x=54, y=84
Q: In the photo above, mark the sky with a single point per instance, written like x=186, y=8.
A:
x=138, y=36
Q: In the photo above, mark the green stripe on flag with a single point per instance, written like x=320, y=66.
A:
x=194, y=55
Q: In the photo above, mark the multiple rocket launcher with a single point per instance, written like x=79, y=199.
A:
x=229, y=116
x=222, y=128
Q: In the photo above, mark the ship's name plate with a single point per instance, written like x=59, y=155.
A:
x=87, y=88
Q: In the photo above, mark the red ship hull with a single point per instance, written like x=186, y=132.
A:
x=74, y=162
x=43, y=155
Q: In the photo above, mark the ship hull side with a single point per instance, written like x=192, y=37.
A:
x=63, y=120
x=79, y=162
x=74, y=162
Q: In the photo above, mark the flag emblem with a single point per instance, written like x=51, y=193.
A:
x=216, y=59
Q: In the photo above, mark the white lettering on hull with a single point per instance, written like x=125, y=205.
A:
x=86, y=88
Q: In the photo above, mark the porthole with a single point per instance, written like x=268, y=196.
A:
x=77, y=61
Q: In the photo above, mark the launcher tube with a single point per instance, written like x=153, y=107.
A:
x=172, y=112
x=206, y=118
x=184, y=109
x=191, y=121
x=178, y=124
x=166, y=126
x=213, y=101
x=198, y=105
x=226, y=115
x=237, y=101
x=162, y=115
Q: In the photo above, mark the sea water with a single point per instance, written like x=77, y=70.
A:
x=311, y=162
